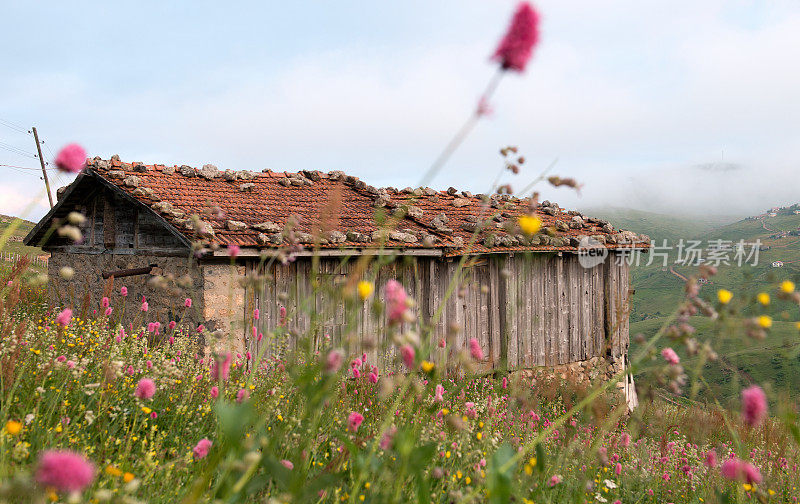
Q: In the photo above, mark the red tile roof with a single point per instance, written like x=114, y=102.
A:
x=256, y=209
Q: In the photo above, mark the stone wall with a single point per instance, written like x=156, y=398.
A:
x=84, y=292
x=589, y=372
x=224, y=302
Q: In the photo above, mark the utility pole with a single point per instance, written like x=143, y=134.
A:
x=44, y=171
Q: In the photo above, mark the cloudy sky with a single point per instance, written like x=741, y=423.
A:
x=679, y=106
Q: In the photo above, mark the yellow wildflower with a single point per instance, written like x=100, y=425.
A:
x=529, y=224
x=13, y=427
x=787, y=286
x=127, y=477
x=113, y=471
x=724, y=296
x=427, y=366
x=763, y=298
x=765, y=321
x=365, y=289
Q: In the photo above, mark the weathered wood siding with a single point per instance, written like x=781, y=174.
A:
x=538, y=309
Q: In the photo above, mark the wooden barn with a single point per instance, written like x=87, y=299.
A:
x=164, y=232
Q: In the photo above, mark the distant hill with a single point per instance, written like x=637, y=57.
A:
x=659, y=289
x=14, y=243
x=657, y=225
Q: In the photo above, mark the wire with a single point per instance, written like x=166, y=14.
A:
x=17, y=150
x=14, y=127
x=19, y=167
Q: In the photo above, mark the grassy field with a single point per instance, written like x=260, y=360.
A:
x=14, y=244
x=658, y=291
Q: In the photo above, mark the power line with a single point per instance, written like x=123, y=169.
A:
x=17, y=150
x=14, y=127
x=19, y=167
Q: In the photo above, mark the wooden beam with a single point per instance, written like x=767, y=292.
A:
x=253, y=252
x=109, y=221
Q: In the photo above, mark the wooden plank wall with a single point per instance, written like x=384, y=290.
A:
x=525, y=310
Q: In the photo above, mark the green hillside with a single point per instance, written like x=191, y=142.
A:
x=14, y=244
x=659, y=289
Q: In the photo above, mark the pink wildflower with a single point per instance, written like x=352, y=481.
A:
x=221, y=367
x=439, y=397
x=242, y=395
x=356, y=372
x=123, y=291
x=475, y=349
x=108, y=311
x=214, y=392
x=64, y=317
x=754, y=405
x=145, y=389
x=256, y=314
x=145, y=306
x=188, y=303
x=172, y=324
x=555, y=480
x=65, y=471
x=373, y=378
x=287, y=464
x=71, y=158
x=397, y=302
x=334, y=361
x=201, y=449
x=516, y=47
x=711, y=458
x=618, y=469
x=739, y=470
x=233, y=250
x=625, y=439
x=670, y=356
x=354, y=421
x=388, y=438
x=105, y=303
x=408, y=354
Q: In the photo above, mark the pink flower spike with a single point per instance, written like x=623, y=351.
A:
x=201, y=449
x=64, y=317
x=334, y=361
x=105, y=302
x=408, y=354
x=214, y=392
x=516, y=48
x=256, y=314
x=475, y=349
x=670, y=356
x=66, y=471
x=754, y=405
x=233, y=250
x=145, y=306
x=188, y=303
x=145, y=389
x=287, y=464
x=123, y=291
x=71, y=158
x=397, y=302
x=711, y=458
x=221, y=367
x=242, y=395
x=354, y=421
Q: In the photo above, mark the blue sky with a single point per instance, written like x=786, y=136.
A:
x=634, y=98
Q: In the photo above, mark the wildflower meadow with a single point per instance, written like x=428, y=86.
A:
x=99, y=405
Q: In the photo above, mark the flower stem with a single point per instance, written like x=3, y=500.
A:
x=463, y=132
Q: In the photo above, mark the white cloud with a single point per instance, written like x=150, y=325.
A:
x=628, y=95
